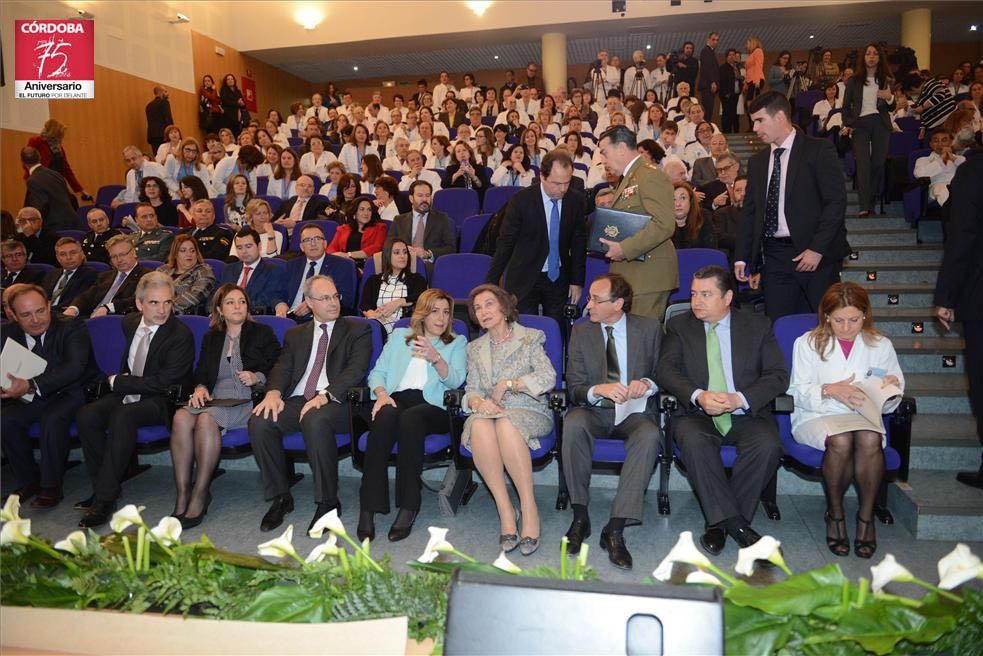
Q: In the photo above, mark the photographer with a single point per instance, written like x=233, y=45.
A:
x=638, y=80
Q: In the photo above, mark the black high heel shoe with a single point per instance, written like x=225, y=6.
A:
x=864, y=548
x=190, y=522
x=403, y=526
x=837, y=542
x=366, y=526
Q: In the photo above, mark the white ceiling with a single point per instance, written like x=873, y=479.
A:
x=791, y=28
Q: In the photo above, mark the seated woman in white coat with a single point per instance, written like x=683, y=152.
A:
x=827, y=364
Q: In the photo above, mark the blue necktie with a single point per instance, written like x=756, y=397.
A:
x=771, y=202
x=139, y=177
x=310, y=271
x=553, y=259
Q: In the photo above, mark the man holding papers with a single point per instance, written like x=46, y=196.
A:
x=647, y=259
x=610, y=376
x=51, y=397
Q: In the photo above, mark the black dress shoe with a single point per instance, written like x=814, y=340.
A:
x=84, y=504
x=971, y=478
x=578, y=532
x=322, y=510
x=98, y=514
x=745, y=536
x=403, y=526
x=281, y=505
x=713, y=540
x=190, y=522
x=48, y=497
x=25, y=492
x=366, y=526
x=614, y=543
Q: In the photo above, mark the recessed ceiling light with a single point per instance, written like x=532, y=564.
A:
x=496, y=56
x=479, y=7
x=812, y=36
x=309, y=17
x=648, y=46
x=354, y=68
x=973, y=28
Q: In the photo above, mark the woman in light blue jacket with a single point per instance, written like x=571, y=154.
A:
x=408, y=382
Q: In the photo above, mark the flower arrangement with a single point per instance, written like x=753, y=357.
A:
x=150, y=569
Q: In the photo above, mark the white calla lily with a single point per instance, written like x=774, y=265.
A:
x=126, y=517
x=15, y=531
x=684, y=551
x=72, y=543
x=11, y=509
x=281, y=546
x=887, y=571
x=329, y=521
x=959, y=566
x=329, y=548
x=506, y=565
x=699, y=576
x=437, y=539
x=168, y=531
x=767, y=548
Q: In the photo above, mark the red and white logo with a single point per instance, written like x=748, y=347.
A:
x=54, y=58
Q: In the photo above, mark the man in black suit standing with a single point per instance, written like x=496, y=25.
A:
x=307, y=389
x=36, y=237
x=612, y=360
x=51, y=398
x=958, y=295
x=114, y=291
x=15, y=266
x=542, y=248
x=729, y=87
x=709, y=74
x=158, y=117
x=793, y=237
x=725, y=367
x=71, y=278
x=47, y=191
x=429, y=233
x=159, y=353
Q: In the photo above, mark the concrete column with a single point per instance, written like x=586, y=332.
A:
x=554, y=61
x=916, y=33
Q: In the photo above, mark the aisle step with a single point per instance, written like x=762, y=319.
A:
x=938, y=394
x=944, y=442
x=865, y=238
x=913, y=255
x=934, y=506
x=890, y=273
x=876, y=223
x=930, y=354
x=906, y=295
x=898, y=321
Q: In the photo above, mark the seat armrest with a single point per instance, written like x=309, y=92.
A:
x=359, y=395
x=667, y=402
x=571, y=311
x=453, y=399
x=175, y=395
x=907, y=407
x=784, y=404
x=95, y=391
x=558, y=400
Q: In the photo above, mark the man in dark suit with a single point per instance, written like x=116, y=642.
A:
x=36, y=237
x=958, y=295
x=793, y=237
x=542, y=248
x=315, y=262
x=51, y=398
x=213, y=240
x=263, y=281
x=305, y=206
x=709, y=74
x=729, y=88
x=612, y=359
x=100, y=232
x=114, y=291
x=725, y=367
x=15, y=266
x=727, y=219
x=71, y=278
x=307, y=387
x=47, y=192
x=720, y=192
x=687, y=66
x=159, y=353
x=158, y=117
x=429, y=233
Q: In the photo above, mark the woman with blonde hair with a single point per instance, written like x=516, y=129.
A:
x=754, y=69
x=53, y=156
x=827, y=362
x=416, y=367
x=188, y=162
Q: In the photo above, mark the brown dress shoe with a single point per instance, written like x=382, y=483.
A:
x=48, y=497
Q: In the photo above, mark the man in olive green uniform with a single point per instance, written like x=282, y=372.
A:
x=151, y=241
x=647, y=259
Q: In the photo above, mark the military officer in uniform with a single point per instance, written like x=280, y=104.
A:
x=151, y=241
x=647, y=259
x=214, y=241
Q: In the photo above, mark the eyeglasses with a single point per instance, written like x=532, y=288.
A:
x=597, y=301
x=120, y=256
x=330, y=298
x=721, y=169
x=312, y=240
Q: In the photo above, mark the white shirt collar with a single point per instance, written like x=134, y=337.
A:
x=620, y=325
x=31, y=170
x=145, y=326
x=631, y=164
x=787, y=144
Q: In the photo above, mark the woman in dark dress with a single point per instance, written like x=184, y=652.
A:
x=232, y=103
x=693, y=230
x=153, y=190
x=465, y=172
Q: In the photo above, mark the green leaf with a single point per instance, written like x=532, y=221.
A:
x=289, y=603
x=44, y=593
x=799, y=594
x=876, y=627
x=751, y=631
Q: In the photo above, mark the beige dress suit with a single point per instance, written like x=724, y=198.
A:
x=644, y=189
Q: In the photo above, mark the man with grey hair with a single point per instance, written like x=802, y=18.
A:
x=720, y=192
x=139, y=167
x=36, y=237
x=160, y=353
x=115, y=290
x=15, y=266
x=307, y=388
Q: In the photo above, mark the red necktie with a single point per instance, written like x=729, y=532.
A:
x=246, y=270
x=310, y=388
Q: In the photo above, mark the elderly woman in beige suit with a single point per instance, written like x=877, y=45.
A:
x=509, y=377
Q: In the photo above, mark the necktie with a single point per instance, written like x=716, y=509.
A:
x=771, y=203
x=310, y=388
x=717, y=382
x=108, y=298
x=310, y=270
x=297, y=211
x=614, y=369
x=139, y=359
x=60, y=287
x=139, y=177
x=419, y=227
x=38, y=346
x=553, y=259
x=8, y=279
x=246, y=270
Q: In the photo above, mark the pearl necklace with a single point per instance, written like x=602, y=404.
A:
x=503, y=340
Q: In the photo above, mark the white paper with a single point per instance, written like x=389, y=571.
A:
x=869, y=416
x=624, y=410
x=19, y=362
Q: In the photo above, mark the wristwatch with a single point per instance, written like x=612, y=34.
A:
x=32, y=387
x=509, y=384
